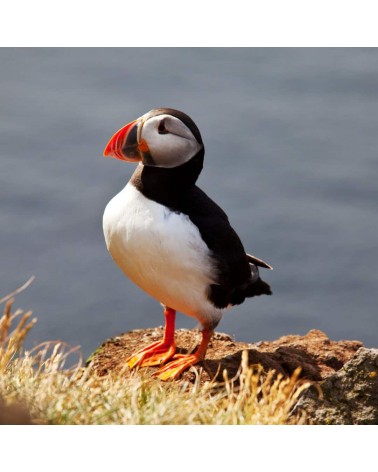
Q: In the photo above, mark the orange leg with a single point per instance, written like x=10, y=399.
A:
x=161, y=351
x=182, y=362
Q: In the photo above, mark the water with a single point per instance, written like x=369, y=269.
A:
x=291, y=156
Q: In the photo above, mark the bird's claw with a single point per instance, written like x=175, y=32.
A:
x=156, y=354
x=174, y=368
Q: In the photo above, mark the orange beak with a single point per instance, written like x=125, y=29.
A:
x=123, y=145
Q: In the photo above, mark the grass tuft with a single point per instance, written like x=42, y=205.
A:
x=54, y=394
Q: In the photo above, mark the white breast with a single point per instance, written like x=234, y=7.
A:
x=162, y=252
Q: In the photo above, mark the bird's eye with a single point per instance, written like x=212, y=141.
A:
x=162, y=129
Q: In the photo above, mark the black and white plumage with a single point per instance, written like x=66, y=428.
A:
x=165, y=233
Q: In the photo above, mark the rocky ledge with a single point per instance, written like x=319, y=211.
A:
x=345, y=371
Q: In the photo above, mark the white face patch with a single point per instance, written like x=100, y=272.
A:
x=170, y=141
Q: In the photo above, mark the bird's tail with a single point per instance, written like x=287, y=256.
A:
x=258, y=288
x=252, y=290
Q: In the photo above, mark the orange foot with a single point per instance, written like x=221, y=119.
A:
x=155, y=354
x=182, y=362
x=161, y=351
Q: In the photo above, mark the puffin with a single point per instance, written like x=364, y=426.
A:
x=171, y=239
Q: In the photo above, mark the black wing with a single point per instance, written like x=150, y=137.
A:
x=237, y=273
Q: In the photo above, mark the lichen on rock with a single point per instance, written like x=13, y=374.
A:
x=349, y=396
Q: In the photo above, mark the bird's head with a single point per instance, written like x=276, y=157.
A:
x=163, y=137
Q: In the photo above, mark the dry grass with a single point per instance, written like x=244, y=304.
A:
x=57, y=395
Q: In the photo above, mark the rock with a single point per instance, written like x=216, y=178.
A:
x=314, y=352
x=349, y=396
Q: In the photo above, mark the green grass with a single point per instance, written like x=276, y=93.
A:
x=53, y=394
